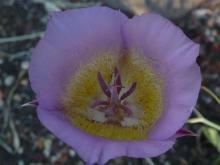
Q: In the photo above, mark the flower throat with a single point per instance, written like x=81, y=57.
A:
x=114, y=98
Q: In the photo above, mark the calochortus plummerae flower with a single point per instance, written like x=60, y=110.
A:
x=110, y=86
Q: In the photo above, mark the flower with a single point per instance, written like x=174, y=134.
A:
x=110, y=86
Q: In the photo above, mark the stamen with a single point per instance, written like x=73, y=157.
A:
x=114, y=109
x=99, y=103
x=127, y=110
x=118, y=82
x=103, y=85
x=114, y=95
x=129, y=91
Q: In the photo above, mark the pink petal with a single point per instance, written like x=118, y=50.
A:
x=72, y=38
x=94, y=149
x=173, y=56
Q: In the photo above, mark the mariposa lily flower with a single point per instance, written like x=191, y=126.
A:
x=110, y=86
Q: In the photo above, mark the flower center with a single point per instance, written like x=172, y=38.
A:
x=117, y=98
x=114, y=109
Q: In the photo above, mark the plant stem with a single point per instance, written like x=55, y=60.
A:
x=204, y=121
x=212, y=94
x=21, y=38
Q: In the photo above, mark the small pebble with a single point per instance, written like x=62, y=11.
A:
x=25, y=65
x=20, y=162
x=8, y=81
x=72, y=153
x=80, y=163
x=217, y=21
x=47, y=147
x=24, y=82
x=17, y=97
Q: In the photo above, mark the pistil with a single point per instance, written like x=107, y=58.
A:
x=114, y=107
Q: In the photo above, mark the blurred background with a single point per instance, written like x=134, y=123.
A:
x=23, y=140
